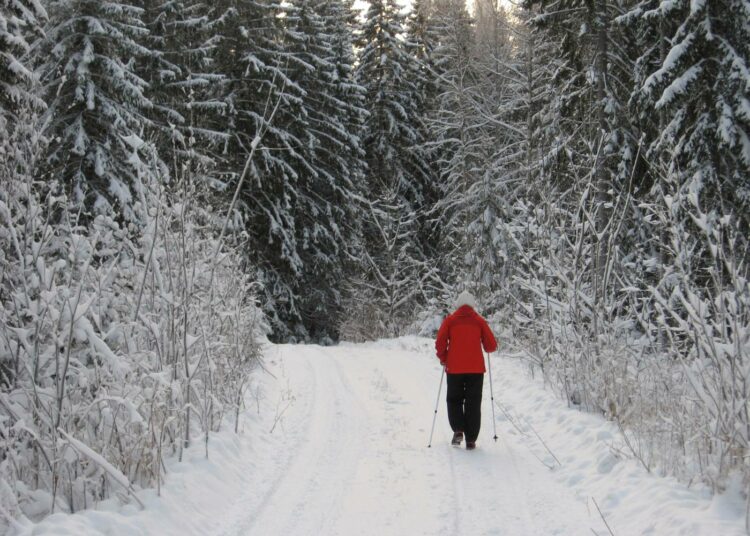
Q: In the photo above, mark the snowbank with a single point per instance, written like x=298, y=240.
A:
x=197, y=492
x=597, y=464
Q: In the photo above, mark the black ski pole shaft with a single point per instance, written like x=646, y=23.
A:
x=437, y=403
x=492, y=397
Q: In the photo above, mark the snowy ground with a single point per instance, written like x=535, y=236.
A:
x=336, y=444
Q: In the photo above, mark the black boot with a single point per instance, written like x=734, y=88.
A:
x=471, y=445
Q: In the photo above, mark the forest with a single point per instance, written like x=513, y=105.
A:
x=181, y=179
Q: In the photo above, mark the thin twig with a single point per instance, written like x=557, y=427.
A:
x=280, y=413
x=512, y=421
x=524, y=434
x=602, y=516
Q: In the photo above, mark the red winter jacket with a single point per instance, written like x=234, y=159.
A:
x=460, y=340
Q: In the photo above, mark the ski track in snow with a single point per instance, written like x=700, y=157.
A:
x=325, y=454
x=359, y=464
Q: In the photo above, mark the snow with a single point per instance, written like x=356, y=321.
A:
x=696, y=6
x=99, y=460
x=334, y=441
x=670, y=63
x=679, y=85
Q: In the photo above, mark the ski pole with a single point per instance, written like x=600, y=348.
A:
x=492, y=397
x=437, y=403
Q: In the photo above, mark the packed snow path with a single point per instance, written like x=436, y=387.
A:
x=358, y=463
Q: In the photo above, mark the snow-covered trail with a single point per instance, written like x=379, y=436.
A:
x=357, y=460
x=334, y=442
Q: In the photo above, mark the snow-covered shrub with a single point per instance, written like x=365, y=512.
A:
x=658, y=341
x=385, y=299
x=428, y=320
x=698, y=317
x=118, y=345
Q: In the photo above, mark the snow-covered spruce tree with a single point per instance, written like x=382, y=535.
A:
x=490, y=198
x=529, y=108
x=396, y=170
x=328, y=129
x=342, y=23
x=421, y=39
x=96, y=101
x=583, y=31
x=292, y=105
x=20, y=22
x=187, y=116
x=594, y=83
x=700, y=90
x=386, y=71
x=262, y=156
x=461, y=126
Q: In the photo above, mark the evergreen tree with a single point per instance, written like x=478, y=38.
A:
x=19, y=19
x=698, y=86
x=187, y=112
x=342, y=25
x=260, y=103
x=421, y=40
x=325, y=213
x=385, y=70
x=526, y=162
x=97, y=102
x=593, y=81
x=492, y=196
x=460, y=137
x=397, y=173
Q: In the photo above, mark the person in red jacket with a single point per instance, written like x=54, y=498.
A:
x=459, y=344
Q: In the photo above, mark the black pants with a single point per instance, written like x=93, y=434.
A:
x=465, y=403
